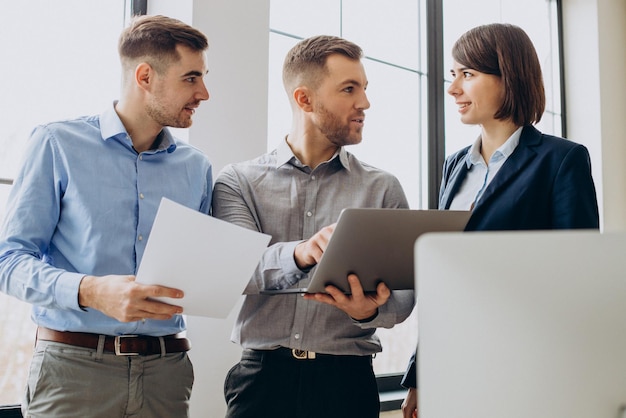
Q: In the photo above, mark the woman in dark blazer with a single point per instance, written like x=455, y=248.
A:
x=513, y=177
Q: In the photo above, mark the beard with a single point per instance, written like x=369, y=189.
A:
x=336, y=130
x=157, y=110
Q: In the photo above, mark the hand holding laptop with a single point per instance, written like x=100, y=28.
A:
x=375, y=244
x=358, y=304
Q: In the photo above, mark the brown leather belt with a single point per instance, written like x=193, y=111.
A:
x=123, y=345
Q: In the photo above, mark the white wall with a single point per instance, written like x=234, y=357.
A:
x=612, y=54
x=595, y=58
x=231, y=126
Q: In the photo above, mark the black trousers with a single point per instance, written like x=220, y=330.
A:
x=274, y=384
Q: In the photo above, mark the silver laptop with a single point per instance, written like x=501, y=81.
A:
x=376, y=245
x=522, y=324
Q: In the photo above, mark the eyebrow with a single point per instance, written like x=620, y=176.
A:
x=352, y=82
x=194, y=73
x=460, y=70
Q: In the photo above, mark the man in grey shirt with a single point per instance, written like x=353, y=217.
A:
x=309, y=356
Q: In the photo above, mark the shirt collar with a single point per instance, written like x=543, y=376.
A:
x=504, y=151
x=110, y=123
x=285, y=155
x=111, y=126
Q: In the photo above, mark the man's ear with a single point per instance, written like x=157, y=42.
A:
x=303, y=97
x=144, y=75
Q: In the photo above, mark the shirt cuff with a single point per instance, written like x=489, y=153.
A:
x=365, y=320
x=66, y=290
x=288, y=264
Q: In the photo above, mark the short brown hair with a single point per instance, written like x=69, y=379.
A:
x=305, y=63
x=155, y=38
x=506, y=51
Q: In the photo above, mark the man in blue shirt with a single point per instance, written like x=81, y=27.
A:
x=78, y=219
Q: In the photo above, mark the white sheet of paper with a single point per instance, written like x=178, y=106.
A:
x=210, y=260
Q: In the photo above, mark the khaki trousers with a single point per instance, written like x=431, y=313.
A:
x=68, y=381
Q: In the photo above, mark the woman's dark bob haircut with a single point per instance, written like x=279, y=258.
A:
x=506, y=51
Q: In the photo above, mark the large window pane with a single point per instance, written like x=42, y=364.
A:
x=387, y=31
x=306, y=18
x=60, y=61
x=392, y=137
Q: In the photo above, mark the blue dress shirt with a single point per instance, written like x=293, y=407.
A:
x=82, y=204
x=480, y=174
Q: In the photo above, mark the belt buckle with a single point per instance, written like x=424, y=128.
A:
x=302, y=354
x=117, y=345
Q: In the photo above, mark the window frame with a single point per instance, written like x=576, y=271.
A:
x=139, y=7
x=435, y=99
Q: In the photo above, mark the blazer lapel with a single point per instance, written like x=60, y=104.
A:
x=521, y=157
x=456, y=179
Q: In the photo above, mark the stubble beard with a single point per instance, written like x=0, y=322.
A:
x=337, y=132
x=157, y=111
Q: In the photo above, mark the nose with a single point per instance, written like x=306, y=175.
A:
x=363, y=102
x=203, y=92
x=454, y=88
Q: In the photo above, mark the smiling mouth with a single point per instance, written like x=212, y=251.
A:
x=192, y=107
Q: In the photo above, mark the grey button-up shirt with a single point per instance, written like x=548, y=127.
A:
x=277, y=195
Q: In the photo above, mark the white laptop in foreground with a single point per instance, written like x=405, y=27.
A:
x=521, y=324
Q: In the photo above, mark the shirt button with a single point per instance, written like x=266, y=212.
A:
x=309, y=214
x=297, y=336
x=141, y=195
x=298, y=276
x=140, y=237
x=141, y=157
x=312, y=177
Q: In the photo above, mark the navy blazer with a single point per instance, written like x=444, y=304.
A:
x=545, y=183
